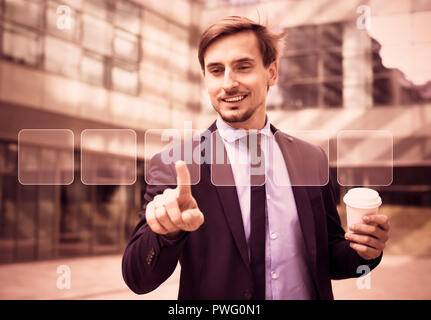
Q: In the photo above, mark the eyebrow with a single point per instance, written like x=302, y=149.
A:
x=217, y=64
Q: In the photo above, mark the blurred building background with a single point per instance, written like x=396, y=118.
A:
x=133, y=65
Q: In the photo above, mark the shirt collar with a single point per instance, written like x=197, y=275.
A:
x=231, y=134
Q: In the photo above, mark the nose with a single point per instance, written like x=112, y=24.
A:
x=229, y=80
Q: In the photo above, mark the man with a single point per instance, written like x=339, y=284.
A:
x=244, y=241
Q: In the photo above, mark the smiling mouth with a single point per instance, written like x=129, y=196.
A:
x=235, y=99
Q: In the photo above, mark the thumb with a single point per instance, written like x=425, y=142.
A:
x=183, y=180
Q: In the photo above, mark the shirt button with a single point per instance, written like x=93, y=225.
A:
x=268, y=197
x=274, y=275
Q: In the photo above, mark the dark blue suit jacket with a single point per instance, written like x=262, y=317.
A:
x=214, y=259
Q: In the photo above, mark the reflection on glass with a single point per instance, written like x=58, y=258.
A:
x=298, y=67
x=301, y=95
x=46, y=222
x=57, y=52
x=21, y=45
x=382, y=91
x=92, y=69
x=311, y=73
x=126, y=46
x=25, y=233
x=331, y=35
x=332, y=93
x=125, y=80
x=97, y=35
x=75, y=219
x=127, y=16
x=28, y=12
x=332, y=64
x=97, y=8
x=302, y=38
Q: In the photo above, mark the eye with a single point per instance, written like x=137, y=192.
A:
x=244, y=67
x=216, y=71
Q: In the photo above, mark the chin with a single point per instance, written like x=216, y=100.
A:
x=235, y=115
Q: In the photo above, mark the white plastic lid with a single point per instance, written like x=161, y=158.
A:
x=365, y=198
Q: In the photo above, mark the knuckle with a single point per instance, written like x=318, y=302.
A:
x=168, y=192
x=160, y=213
x=176, y=220
x=150, y=220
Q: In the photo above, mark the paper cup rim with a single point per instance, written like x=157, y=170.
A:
x=375, y=204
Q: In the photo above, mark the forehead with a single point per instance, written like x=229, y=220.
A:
x=233, y=47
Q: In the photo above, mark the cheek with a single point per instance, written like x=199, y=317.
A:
x=211, y=86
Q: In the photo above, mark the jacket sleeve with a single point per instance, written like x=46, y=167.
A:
x=343, y=260
x=149, y=258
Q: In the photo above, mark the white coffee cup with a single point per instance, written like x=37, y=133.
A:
x=361, y=202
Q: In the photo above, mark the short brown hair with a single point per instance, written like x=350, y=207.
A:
x=270, y=43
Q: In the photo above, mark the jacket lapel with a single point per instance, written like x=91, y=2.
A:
x=293, y=160
x=228, y=197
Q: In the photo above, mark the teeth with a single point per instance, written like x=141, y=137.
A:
x=236, y=99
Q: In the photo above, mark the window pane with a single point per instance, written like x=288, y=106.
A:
x=8, y=214
x=11, y=163
x=62, y=57
x=46, y=218
x=298, y=67
x=332, y=93
x=98, y=8
x=332, y=64
x=382, y=91
x=300, y=95
x=331, y=35
x=24, y=11
x=77, y=4
x=302, y=38
x=127, y=16
x=26, y=227
x=21, y=45
x=92, y=69
x=125, y=80
x=97, y=35
x=52, y=19
x=126, y=46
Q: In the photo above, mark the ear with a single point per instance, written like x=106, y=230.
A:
x=272, y=73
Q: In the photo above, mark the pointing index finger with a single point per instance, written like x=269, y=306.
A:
x=183, y=179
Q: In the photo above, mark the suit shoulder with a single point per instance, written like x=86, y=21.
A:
x=302, y=145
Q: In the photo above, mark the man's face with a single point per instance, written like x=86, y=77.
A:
x=237, y=80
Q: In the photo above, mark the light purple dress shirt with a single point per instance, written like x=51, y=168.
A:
x=287, y=274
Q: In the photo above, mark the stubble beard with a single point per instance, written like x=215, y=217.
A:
x=238, y=117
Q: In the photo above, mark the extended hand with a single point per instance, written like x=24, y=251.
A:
x=175, y=210
x=368, y=239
